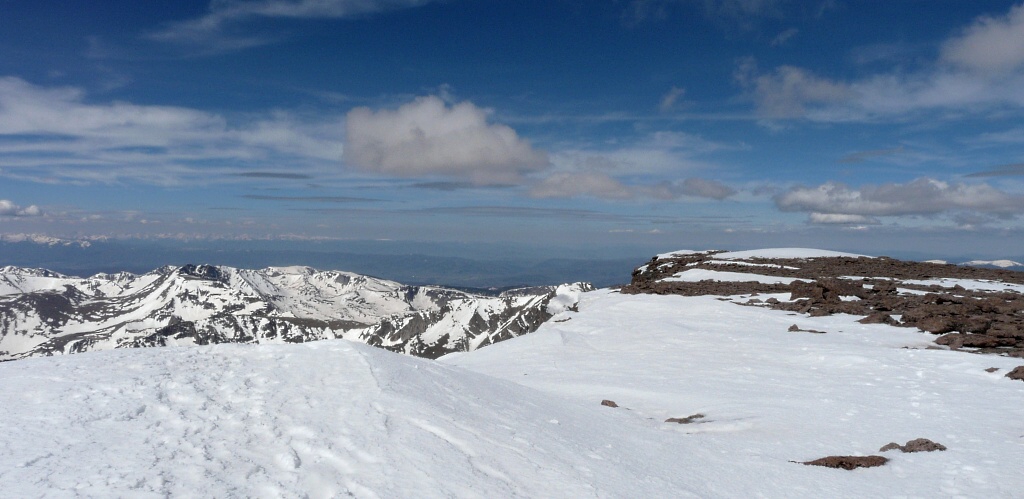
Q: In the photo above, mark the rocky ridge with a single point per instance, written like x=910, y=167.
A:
x=969, y=308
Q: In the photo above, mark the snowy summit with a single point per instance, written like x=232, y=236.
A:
x=621, y=393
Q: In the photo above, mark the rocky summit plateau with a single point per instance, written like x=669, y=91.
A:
x=973, y=308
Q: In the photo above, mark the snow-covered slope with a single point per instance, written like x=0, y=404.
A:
x=770, y=396
x=752, y=398
x=320, y=420
x=44, y=313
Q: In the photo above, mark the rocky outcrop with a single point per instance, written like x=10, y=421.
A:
x=915, y=445
x=848, y=462
x=881, y=290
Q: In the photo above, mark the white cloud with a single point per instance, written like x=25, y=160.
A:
x=427, y=137
x=210, y=29
x=990, y=44
x=840, y=219
x=55, y=134
x=980, y=68
x=9, y=209
x=923, y=196
x=786, y=92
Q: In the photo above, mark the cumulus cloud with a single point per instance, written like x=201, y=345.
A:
x=427, y=137
x=56, y=134
x=923, y=196
x=980, y=68
x=990, y=44
x=9, y=209
x=224, y=14
x=787, y=91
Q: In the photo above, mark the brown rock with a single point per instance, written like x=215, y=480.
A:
x=1006, y=330
x=915, y=445
x=848, y=462
x=1016, y=373
x=609, y=403
x=991, y=369
x=922, y=445
x=960, y=340
x=952, y=340
x=687, y=420
x=937, y=324
x=986, y=341
x=878, y=318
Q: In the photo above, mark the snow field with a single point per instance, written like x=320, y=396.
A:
x=326, y=419
x=522, y=418
x=770, y=396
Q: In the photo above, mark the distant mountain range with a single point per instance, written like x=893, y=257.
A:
x=45, y=313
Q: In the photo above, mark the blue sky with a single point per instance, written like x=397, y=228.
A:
x=617, y=124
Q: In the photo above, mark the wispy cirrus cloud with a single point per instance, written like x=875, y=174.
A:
x=222, y=27
x=57, y=134
x=1001, y=171
x=603, y=186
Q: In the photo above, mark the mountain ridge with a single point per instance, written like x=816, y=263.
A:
x=46, y=313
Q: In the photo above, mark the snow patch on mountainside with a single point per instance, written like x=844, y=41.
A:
x=994, y=263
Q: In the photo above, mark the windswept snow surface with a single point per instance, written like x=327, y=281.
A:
x=325, y=419
x=771, y=396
